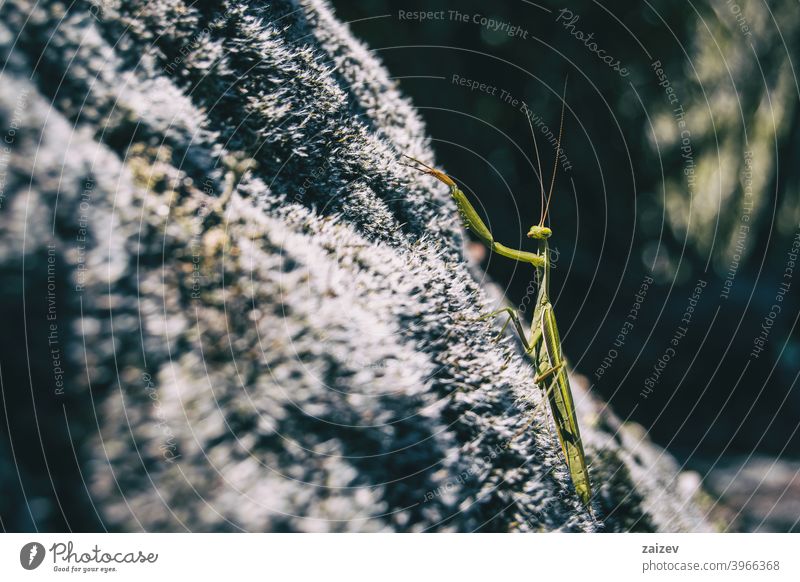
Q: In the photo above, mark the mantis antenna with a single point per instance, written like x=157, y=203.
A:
x=558, y=152
x=538, y=161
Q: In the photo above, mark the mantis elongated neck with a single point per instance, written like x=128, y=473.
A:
x=544, y=293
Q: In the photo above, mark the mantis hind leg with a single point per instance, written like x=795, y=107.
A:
x=544, y=371
x=549, y=372
x=544, y=374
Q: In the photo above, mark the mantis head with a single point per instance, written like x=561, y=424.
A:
x=539, y=232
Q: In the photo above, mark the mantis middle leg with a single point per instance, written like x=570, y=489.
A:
x=529, y=344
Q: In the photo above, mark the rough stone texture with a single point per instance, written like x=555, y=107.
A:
x=301, y=356
x=756, y=493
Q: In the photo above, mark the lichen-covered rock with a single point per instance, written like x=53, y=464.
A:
x=228, y=307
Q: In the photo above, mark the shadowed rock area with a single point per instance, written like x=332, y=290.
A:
x=227, y=307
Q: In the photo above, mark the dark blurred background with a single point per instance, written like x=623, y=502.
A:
x=709, y=195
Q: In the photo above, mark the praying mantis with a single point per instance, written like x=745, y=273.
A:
x=544, y=345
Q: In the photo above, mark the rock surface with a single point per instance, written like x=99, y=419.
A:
x=228, y=307
x=756, y=493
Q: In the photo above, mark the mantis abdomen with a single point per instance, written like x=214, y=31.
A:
x=562, y=405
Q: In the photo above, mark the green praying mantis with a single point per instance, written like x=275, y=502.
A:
x=544, y=345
